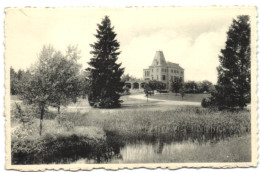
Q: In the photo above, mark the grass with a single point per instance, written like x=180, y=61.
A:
x=187, y=97
x=139, y=122
x=186, y=120
x=110, y=130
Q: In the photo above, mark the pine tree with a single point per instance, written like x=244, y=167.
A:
x=233, y=86
x=105, y=83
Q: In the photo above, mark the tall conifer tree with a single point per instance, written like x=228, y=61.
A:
x=105, y=83
x=233, y=86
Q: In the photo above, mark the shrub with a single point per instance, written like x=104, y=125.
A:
x=109, y=102
x=59, y=149
x=23, y=115
x=126, y=91
x=206, y=102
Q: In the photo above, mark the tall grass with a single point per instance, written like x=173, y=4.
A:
x=179, y=123
x=100, y=134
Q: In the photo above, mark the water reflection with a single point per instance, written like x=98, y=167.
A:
x=194, y=147
x=141, y=148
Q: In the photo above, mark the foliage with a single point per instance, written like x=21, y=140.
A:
x=206, y=102
x=176, y=85
x=62, y=142
x=127, y=77
x=156, y=85
x=205, y=87
x=191, y=87
x=99, y=136
x=67, y=84
x=16, y=80
x=147, y=90
x=84, y=84
x=23, y=116
x=233, y=86
x=126, y=91
x=53, y=81
x=198, y=87
x=178, y=124
x=59, y=148
x=105, y=83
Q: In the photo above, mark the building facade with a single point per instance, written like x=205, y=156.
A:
x=163, y=71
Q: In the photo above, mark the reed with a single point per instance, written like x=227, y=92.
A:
x=182, y=121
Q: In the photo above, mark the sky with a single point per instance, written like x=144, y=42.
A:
x=192, y=38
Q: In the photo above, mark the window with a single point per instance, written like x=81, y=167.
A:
x=172, y=71
x=147, y=73
x=152, y=70
x=157, y=70
x=172, y=78
x=157, y=77
x=152, y=77
x=163, y=77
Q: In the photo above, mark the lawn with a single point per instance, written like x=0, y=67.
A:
x=187, y=97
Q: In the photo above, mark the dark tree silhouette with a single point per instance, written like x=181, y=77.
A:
x=233, y=86
x=105, y=83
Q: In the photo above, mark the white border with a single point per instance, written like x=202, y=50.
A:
x=110, y=3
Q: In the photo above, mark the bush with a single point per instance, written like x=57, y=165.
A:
x=126, y=91
x=23, y=115
x=59, y=149
x=206, y=102
x=109, y=102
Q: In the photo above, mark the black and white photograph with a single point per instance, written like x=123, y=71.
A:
x=130, y=87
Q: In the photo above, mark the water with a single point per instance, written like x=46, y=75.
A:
x=141, y=148
x=188, y=150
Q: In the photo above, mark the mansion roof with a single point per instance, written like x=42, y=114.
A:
x=173, y=65
x=159, y=60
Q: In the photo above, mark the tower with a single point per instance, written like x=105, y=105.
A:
x=163, y=71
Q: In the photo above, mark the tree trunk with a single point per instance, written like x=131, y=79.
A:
x=58, y=109
x=41, y=119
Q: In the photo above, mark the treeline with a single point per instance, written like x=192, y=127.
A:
x=197, y=87
x=188, y=87
x=17, y=79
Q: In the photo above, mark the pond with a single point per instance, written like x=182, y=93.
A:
x=116, y=148
x=216, y=149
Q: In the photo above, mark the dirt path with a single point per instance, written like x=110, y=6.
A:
x=165, y=102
